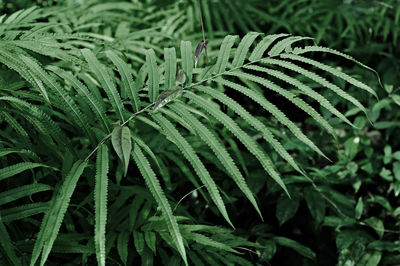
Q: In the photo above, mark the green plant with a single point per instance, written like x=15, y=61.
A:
x=67, y=89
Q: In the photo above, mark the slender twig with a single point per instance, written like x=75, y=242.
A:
x=123, y=124
x=203, y=31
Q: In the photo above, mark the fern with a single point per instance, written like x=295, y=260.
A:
x=93, y=74
x=53, y=218
x=100, y=199
x=155, y=188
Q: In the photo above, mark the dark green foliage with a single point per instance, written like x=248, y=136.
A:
x=120, y=145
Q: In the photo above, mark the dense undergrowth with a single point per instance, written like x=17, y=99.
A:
x=126, y=139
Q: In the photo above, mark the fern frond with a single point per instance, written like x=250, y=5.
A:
x=217, y=147
x=331, y=70
x=12, y=170
x=173, y=134
x=51, y=127
x=304, y=88
x=255, y=123
x=316, y=78
x=23, y=211
x=54, y=216
x=126, y=78
x=88, y=97
x=106, y=81
x=247, y=141
x=67, y=100
x=22, y=191
x=278, y=114
x=157, y=192
x=100, y=204
x=317, y=48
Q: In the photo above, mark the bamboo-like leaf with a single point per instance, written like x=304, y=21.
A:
x=224, y=53
x=122, y=246
x=248, y=142
x=106, y=81
x=173, y=134
x=152, y=68
x=138, y=240
x=126, y=77
x=222, y=154
x=187, y=59
x=122, y=143
x=170, y=67
x=12, y=170
x=100, y=204
x=54, y=216
x=157, y=192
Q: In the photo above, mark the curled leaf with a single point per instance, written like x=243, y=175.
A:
x=122, y=143
x=167, y=96
x=200, y=47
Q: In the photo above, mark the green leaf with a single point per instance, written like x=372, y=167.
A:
x=100, y=204
x=370, y=258
x=286, y=208
x=53, y=218
x=122, y=143
x=316, y=204
x=157, y=192
x=359, y=208
x=138, y=241
x=150, y=239
x=296, y=246
x=122, y=246
x=376, y=224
